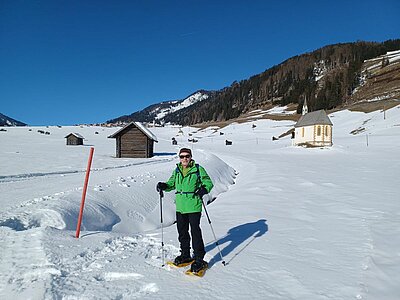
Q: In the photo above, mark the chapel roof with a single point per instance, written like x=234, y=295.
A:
x=318, y=117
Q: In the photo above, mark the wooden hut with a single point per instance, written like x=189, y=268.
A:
x=74, y=139
x=134, y=140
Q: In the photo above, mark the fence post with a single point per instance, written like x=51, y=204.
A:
x=78, y=226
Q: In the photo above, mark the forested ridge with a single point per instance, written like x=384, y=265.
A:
x=292, y=81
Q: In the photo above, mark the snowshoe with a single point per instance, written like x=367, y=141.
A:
x=198, y=268
x=181, y=261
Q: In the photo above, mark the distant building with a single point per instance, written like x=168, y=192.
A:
x=134, y=140
x=313, y=129
x=74, y=139
x=305, y=107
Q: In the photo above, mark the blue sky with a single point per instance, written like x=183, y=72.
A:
x=69, y=62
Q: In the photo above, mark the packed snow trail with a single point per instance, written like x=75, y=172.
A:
x=30, y=271
x=126, y=204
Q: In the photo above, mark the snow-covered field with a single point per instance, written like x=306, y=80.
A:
x=292, y=223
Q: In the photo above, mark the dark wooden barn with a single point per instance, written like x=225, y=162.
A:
x=134, y=140
x=74, y=139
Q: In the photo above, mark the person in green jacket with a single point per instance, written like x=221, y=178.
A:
x=191, y=183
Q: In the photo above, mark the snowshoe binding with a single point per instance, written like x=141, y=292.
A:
x=181, y=261
x=198, y=268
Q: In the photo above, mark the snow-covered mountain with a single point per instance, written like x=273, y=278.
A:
x=157, y=112
x=178, y=105
x=7, y=121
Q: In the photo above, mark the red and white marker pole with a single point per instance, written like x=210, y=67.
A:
x=78, y=226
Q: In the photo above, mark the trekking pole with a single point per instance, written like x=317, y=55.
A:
x=162, y=229
x=212, y=229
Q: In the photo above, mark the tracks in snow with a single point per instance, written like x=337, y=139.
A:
x=27, y=176
x=30, y=271
x=24, y=229
x=115, y=268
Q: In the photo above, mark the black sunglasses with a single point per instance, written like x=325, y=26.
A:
x=184, y=156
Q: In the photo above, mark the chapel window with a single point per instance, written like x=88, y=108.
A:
x=318, y=130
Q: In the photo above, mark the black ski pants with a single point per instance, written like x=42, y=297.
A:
x=182, y=222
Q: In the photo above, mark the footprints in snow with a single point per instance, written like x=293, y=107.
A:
x=42, y=216
x=133, y=214
x=110, y=266
x=129, y=181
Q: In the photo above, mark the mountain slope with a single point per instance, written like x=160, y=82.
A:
x=157, y=112
x=380, y=78
x=7, y=121
x=329, y=77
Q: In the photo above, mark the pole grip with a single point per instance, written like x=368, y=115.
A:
x=78, y=226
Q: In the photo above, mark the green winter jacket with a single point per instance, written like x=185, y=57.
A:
x=186, y=201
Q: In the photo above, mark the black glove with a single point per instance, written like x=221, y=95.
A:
x=201, y=192
x=161, y=186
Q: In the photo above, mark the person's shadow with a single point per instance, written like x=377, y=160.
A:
x=235, y=237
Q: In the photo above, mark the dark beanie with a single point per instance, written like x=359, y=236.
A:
x=185, y=150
